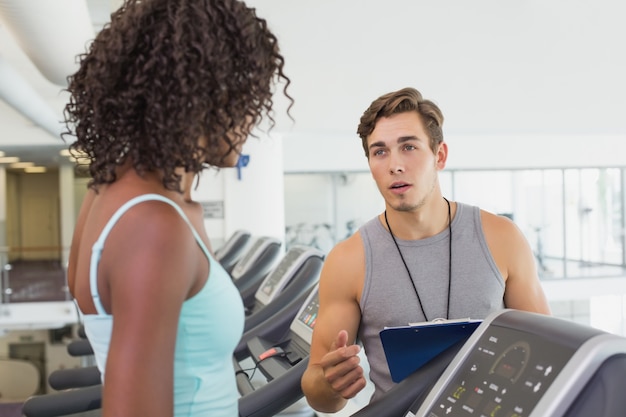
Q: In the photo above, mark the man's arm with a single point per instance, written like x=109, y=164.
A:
x=334, y=374
x=516, y=262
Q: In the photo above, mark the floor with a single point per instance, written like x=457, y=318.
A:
x=10, y=409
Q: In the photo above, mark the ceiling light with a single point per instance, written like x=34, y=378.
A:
x=65, y=152
x=9, y=159
x=35, y=170
x=22, y=165
x=1, y=154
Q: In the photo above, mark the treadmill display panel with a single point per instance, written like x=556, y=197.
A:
x=308, y=315
x=271, y=283
x=505, y=375
x=252, y=253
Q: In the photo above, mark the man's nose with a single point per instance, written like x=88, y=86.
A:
x=395, y=165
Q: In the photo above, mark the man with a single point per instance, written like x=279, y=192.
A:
x=423, y=258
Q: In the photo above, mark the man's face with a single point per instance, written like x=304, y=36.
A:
x=402, y=162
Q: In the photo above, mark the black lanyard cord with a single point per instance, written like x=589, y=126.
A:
x=449, y=262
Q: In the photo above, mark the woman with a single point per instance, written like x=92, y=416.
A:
x=166, y=89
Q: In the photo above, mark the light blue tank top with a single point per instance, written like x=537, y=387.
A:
x=210, y=326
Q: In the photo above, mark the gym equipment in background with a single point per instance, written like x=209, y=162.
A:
x=254, y=265
x=229, y=253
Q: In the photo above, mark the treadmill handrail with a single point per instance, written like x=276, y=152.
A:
x=399, y=398
x=275, y=327
x=260, y=403
x=64, y=403
x=62, y=379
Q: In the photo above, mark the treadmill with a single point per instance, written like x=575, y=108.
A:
x=281, y=361
x=517, y=364
x=230, y=252
x=254, y=265
x=296, y=274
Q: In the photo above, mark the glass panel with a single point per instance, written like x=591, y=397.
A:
x=572, y=210
x=309, y=205
x=358, y=200
x=594, y=221
x=610, y=219
x=572, y=218
x=489, y=190
x=539, y=214
x=321, y=209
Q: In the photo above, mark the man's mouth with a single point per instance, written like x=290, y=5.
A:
x=398, y=185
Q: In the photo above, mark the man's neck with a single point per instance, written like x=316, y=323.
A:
x=420, y=223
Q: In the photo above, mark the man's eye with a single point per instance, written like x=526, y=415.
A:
x=409, y=147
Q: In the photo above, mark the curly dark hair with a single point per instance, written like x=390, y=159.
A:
x=163, y=74
x=405, y=100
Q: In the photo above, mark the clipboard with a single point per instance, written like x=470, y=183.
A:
x=407, y=348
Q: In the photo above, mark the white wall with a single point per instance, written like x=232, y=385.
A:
x=310, y=152
x=254, y=201
x=496, y=67
x=520, y=83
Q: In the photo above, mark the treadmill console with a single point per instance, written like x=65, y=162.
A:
x=233, y=245
x=519, y=364
x=252, y=255
x=503, y=364
x=276, y=280
x=307, y=316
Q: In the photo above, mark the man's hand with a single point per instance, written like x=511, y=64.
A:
x=341, y=367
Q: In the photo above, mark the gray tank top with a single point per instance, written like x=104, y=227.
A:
x=388, y=298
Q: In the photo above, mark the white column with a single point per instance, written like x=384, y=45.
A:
x=67, y=216
x=3, y=206
x=4, y=256
x=251, y=198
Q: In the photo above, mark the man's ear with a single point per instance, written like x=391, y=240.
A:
x=442, y=156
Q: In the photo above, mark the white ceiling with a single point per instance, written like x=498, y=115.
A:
x=32, y=132
x=516, y=67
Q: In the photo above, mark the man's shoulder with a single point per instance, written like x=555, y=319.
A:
x=347, y=258
x=348, y=248
x=371, y=229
